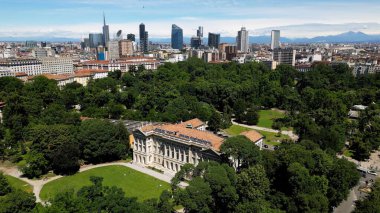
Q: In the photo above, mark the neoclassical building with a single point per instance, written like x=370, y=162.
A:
x=170, y=146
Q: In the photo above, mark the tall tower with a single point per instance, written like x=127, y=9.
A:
x=177, y=37
x=143, y=38
x=106, y=32
x=214, y=40
x=275, y=42
x=242, y=40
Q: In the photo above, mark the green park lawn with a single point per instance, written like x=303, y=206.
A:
x=267, y=117
x=19, y=184
x=270, y=138
x=134, y=183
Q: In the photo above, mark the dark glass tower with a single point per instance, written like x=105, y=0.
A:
x=213, y=40
x=143, y=38
x=177, y=37
x=131, y=37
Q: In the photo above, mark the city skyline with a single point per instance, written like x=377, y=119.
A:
x=75, y=19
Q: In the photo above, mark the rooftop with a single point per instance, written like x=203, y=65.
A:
x=252, y=135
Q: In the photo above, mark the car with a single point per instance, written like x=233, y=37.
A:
x=372, y=172
x=266, y=146
x=275, y=147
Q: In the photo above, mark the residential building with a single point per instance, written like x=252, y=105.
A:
x=213, y=40
x=52, y=65
x=242, y=40
x=365, y=69
x=61, y=79
x=84, y=76
x=31, y=44
x=39, y=52
x=124, y=64
x=28, y=66
x=106, y=32
x=177, y=37
x=113, y=50
x=125, y=48
x=285, y=56
x=275, y=39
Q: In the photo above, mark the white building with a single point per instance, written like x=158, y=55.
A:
x=28, y=66
x=275, y=39
x=242, y=40
x=84, y=76
x=54, y=65
x=113, y=50
x=123, y=64
x=285, y=56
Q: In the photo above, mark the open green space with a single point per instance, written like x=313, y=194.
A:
x=19, y=184
x=134, y=183
x=270, y=138
x=267, y=117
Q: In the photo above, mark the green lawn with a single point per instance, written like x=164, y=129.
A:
x=19, y=184
x=134, y=184
x=266, y=117
x=270, y=138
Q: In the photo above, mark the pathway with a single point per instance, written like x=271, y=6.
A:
x=288, y=133
x=38, y=184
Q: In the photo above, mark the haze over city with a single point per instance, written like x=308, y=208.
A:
x=77, y=18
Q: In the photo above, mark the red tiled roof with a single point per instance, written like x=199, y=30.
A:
x=252, y=135
x=194, y=123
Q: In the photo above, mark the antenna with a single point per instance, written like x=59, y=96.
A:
x=104, y=19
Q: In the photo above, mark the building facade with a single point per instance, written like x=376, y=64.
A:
x=52, y=65
x=144, y=39
x=275, y=39
x=131, y=37
x=242, y=41
x=285, y=56
x=28, y=66
x=177, y=37
x=106, y=32
x=170, y=146
x=95, y=39
x=125, y=64
x=113, y=50
x=213, y=40
x=125, y=48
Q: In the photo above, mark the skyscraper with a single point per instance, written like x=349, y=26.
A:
x=275, y=43
x=285, y=56
x=242, y=40
x=143, y=38
x=95, y=39
x=213, y=40
x=106, y=32
x=200, y=31
x=177, y=37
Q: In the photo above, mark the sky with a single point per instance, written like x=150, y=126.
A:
x=295, y=18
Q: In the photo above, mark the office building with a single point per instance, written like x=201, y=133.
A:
x=144, y=39
x=200, y=32
x=52, y=65
x=95, y=39
x=285, y=56
x=31, y=44
x=113, y=50
x=242, y=40
x=196, y=42
x=275, y=41
x=213, y=40
x=106, y=32
x=125, y=48
x=177, y=37
x=124, y=64
x=131, y=37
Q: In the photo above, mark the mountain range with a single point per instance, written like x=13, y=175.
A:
x=348, y=37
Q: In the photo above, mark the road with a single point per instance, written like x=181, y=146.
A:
x=38, y=184
x=348, y=205
x=288, y=133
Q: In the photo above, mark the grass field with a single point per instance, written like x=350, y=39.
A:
x=266, y=117
x=134, y=184
x=19, y=184
x=270, y=137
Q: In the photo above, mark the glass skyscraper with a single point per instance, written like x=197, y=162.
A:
x=143, y=38
x=177, y=37
x=275, y=43
x=213, y=40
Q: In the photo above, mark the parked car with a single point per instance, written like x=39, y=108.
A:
x=266, y=146
x=372, y=172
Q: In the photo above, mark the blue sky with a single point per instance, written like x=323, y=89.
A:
x=76, y=18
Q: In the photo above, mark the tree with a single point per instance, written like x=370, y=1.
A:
x=252, y=116
x=253, y=184
x=17, y=201
x=215, y=122
x=242, y=152
x=5, y=187
x=196, y=197
x=65, y=160
x=102, y=141
x=36, y=165
x=371, y=203
x=239, y=110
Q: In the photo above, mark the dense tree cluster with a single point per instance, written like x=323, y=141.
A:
x=371, y=203
x=296, y=178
